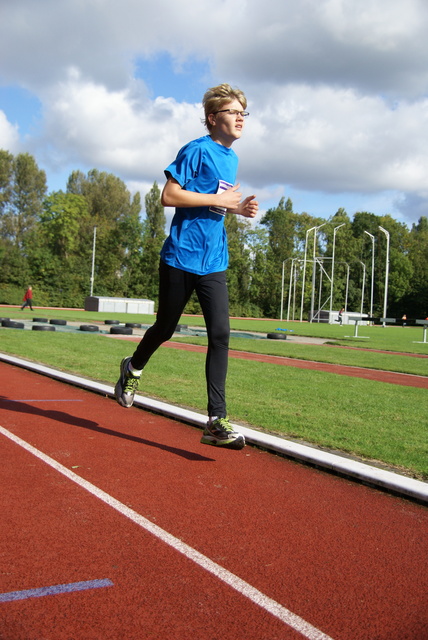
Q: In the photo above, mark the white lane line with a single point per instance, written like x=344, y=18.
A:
x=360, y=471
x=257, y=597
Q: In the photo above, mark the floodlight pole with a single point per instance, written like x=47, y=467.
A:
x=385, y=296
x=362, y=287
x=304, y=272
x=314, y=270
x=332, y=267
x=347, y=286
x=93, y=260
x=292, y=275
x=372, y=284
x=282, y=286
x=294, y=291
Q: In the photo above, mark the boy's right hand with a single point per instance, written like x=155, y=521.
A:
x=230, y=198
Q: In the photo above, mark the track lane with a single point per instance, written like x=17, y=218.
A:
x=316, y=544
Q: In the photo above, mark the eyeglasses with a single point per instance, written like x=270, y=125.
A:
x=233, y=112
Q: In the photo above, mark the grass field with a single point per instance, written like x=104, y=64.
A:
x=372, y=420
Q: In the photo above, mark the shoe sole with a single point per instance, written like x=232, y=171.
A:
x=236, y=444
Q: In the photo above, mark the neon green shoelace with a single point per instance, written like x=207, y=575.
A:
x=131, y=384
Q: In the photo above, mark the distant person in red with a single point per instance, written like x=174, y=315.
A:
x=28, y=299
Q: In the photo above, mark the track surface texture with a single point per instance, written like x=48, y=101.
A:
x=170, y=539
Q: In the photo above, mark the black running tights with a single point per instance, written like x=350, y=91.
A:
x=175, y=288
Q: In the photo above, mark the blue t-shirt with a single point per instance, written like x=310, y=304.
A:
x=197, y=241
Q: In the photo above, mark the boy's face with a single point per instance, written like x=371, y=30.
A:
x=227, y=127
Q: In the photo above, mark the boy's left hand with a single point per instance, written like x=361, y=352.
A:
x=248, y=207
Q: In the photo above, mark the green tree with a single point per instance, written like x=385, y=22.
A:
x=416, y=301
x=61, y=219
x=115, y=213
x=23, y=190
x=6, y=177
x=57, y=254
x=153, y=239
x=259, y=287
x=239, y=271
x=280, y=223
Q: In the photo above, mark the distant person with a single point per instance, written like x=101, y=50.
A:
x=404, y=319
x=28, y=299
x=340, y=317
x=200, y=184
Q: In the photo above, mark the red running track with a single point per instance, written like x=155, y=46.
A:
x=391, y=377
x=286, y=540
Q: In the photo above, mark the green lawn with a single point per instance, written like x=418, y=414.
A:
x=372, y=420
x=390, y=338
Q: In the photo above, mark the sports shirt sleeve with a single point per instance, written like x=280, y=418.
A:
x=186, y=167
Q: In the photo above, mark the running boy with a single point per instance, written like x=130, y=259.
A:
x=201, y=186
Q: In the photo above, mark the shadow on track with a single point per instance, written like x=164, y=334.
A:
x=67, y=418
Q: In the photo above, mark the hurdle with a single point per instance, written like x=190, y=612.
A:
x=356, y=320
x=424, y=323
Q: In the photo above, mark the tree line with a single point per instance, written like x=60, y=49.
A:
x=47, y=240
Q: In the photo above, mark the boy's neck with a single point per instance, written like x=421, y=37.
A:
x=224, y=142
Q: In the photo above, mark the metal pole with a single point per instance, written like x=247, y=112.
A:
x=332, y=268
x=385, y=297
x=294, y=291
x=320, y=291
x=372, y=284
x=347, y=286
x=362, y=288
x=282, y=290
x=314, y=270
x=282, y=286
x=289, y=288
x=93, y=261
x=304, y=272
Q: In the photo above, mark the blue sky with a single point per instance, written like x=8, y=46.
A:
x=337, y=91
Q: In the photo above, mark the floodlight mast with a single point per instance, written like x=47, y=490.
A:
x=93, y=260
x=385, y=296
x=282, y=286
x=304, y=272
x=332, y=267
x=314, y=269
x=372, y=283
x=362, y=287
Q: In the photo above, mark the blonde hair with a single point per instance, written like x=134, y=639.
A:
x=217, y=97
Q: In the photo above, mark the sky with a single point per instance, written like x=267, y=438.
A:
x=337, y=93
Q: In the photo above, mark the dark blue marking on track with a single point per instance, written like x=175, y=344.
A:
x=56, y=589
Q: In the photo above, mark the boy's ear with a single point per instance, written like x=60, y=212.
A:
x=211, y=118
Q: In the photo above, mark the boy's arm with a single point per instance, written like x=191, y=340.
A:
x=173, y=195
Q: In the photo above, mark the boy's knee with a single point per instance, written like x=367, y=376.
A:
x=219, y=336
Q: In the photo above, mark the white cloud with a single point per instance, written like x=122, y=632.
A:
x=335, y=140
x=337, y=89
x=123, y=130
x=9, y=135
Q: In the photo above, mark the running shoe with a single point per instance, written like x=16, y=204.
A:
x=221, y=433
x=127, y=385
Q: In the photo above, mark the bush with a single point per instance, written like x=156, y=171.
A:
x=10, y=294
